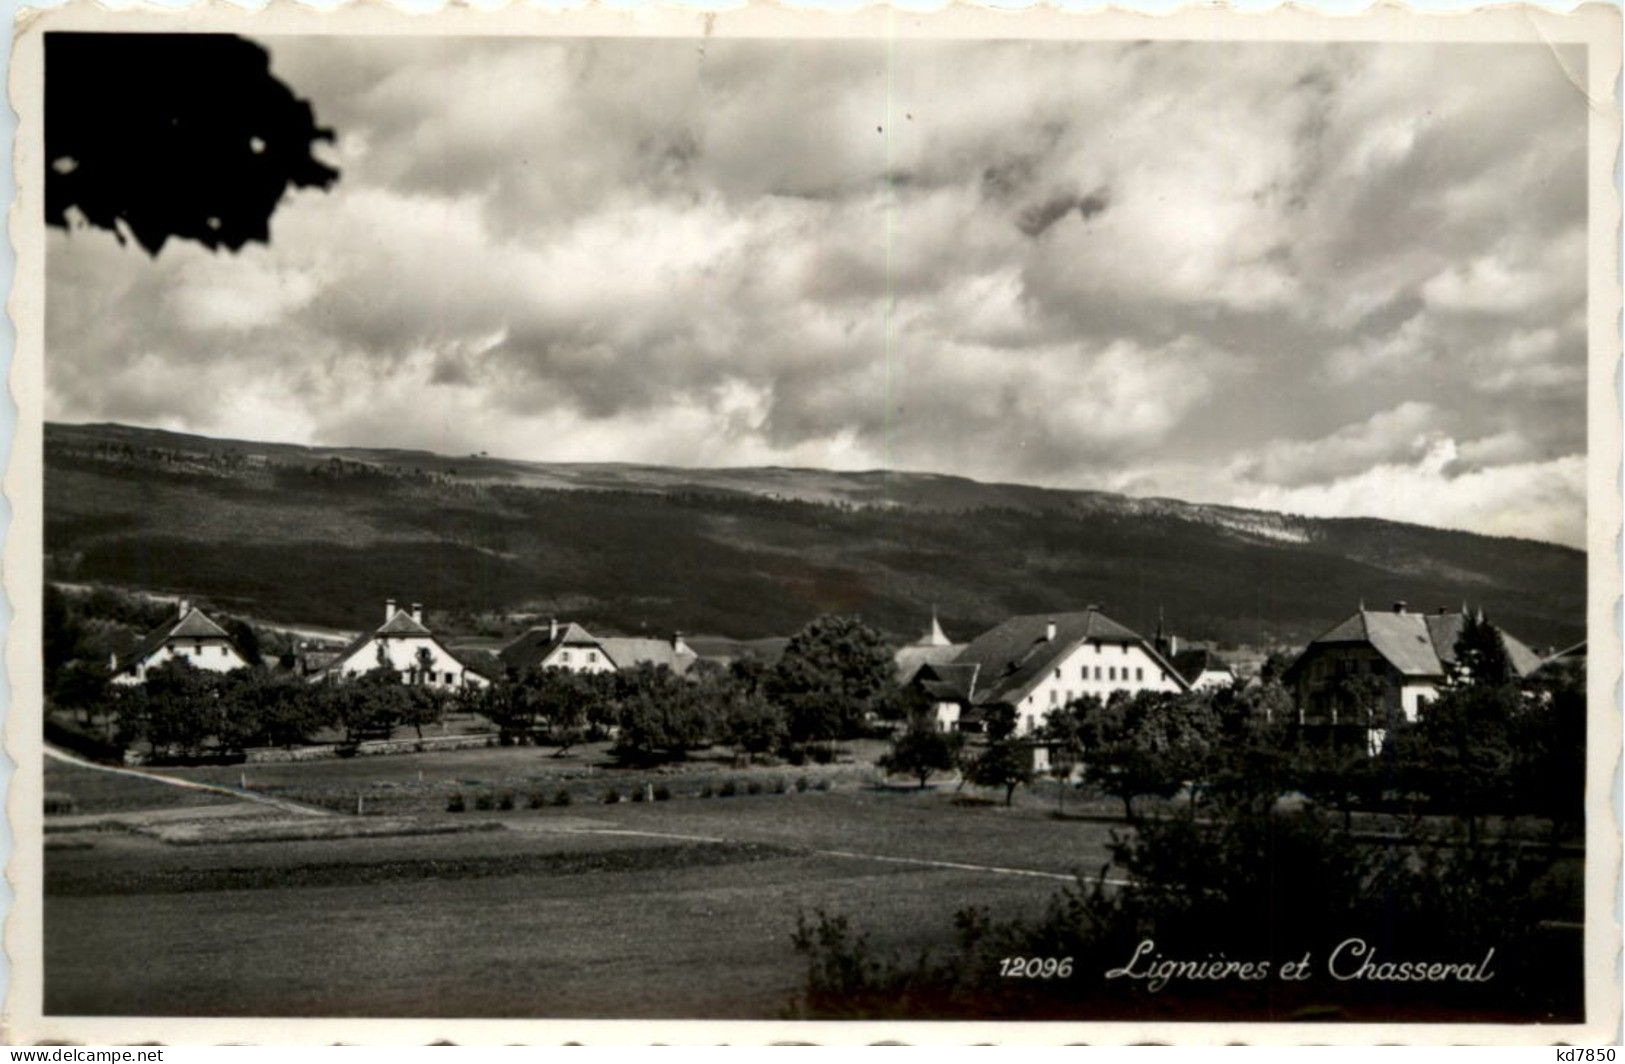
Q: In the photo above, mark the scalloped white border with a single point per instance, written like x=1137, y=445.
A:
x=1597, y=26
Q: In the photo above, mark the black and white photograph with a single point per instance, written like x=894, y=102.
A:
x=862, y=524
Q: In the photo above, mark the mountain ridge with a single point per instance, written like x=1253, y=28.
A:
x=144, y=507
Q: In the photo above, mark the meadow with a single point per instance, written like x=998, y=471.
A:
x=680, y=908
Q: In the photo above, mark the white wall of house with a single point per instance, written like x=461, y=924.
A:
x=213, y=655
x=1414, y=694
x=578, y=659
x=1212, y=678
x=401, y=652
x=946, y=715
x=1093, y=669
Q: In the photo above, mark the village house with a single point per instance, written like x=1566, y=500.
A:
x=569, y=646
x=1199, y=665
x=932, y=648
x=1040, y=662
x=188, y=636
x=404, y=644
x=1409, y=654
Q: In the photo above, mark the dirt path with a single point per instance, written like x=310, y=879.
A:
x=192, y=785
x=958, y=866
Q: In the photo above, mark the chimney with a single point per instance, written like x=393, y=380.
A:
x=1173, y=645
x=185, y=608
x=389, y=610
x=552, y=628
x=677, y=644
x=1049, y=632
x=417, y=612
x=1399, y=607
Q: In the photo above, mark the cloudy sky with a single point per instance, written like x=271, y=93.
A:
x=1336, y=280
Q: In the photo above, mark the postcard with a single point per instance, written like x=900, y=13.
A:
x=651, y=525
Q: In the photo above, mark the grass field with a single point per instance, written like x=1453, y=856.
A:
x=681, y=908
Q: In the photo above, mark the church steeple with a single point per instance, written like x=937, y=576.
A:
x=935, y=637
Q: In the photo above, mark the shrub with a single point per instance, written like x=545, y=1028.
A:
x=707, y=792
x=56, y=802
x=802, y=784
x=562, y=798
x=754, y=787
x=662, y=793
x=637, y=794
x=505, y=800
x=537, y=800
x=484, y=800
x=822, y=785
x=727, y=790
x=455, y=803
x=779, y=786
x=612, y=796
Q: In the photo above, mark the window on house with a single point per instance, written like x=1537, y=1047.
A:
x=1111, y=673
x=1057, y=674
x=592, y=656
x=1054, y=696
x=1139, y=673
x=564, y=657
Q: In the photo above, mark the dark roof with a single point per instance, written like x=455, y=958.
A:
x=1012, y=657
x=947, y=682
x=480, y=662
x=1192, y=663
x=1416, y=644
x=193, y=624
x=535, y=644
x=625, y=652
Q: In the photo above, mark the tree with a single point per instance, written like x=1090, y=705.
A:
x=1063, y=731
x=81, y=686
x=662, y=716
x=829, y=677
x=59, y=632
x=421, y=704
x=1149, y=743
x=922, y=751
x=1003, y=763
x=1461, y=751
x=750, y=723
x=1481, y=655
x=200, y=142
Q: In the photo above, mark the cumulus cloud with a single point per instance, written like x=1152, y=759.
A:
x=1262, y=272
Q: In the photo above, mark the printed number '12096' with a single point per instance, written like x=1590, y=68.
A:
x=1036, y=967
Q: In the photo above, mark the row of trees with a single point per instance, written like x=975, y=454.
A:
x=184, y=712
x=832, y=676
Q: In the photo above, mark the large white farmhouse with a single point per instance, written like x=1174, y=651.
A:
x=403, y=643
x=189, y=636
x=1041, y=662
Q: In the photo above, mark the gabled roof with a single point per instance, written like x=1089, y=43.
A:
x=1417, y=644
x=535, y=644
x=948, y=682
x=909, y=659
x=1192, y=663
x=626, y=652
x=402, y=623
x=1013, y=657
x=193, y=624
